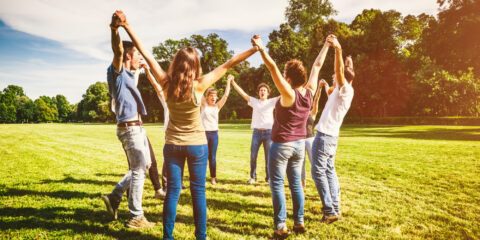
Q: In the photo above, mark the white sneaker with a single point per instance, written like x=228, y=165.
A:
x=251, y=181
x=160, y=194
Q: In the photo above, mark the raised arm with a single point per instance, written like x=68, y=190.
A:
x=286, y=91
x=223, y=100
x=240, y=91
x=318, y=93
x=117, y=46
x=210, y=78
x=327, y=87
x=155, y=85
x=317, y=65
x=155, y=68
x=339, y=67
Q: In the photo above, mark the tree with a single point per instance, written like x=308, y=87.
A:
x=63, y=107
x=94, y=105
x=43, y=113
x=25, y=109
x=454, y=40
x=302, y=15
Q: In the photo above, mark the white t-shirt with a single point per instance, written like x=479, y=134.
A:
x=335, y=110
x=210, y=117
x=262, y=115
x=165, y=112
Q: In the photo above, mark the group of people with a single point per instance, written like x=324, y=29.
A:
x=284, y=125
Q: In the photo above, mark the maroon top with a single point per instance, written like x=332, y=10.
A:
x=290, y=122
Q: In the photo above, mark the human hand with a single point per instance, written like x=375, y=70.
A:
x=120, y=18
x=349, y=61
x=230, y=78
x=323, y=82
x=333, y=41
x=257, y=41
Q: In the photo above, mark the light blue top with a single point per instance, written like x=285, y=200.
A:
x=122, y=88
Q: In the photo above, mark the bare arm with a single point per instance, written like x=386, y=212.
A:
x=317, y=65
x=318, y=93
x=117, y=46
x=326, y=89
x=226, y=93
x=155, y=68
x=240, y=91
x=156, y=86
x=286, y=91
x=339, y=67
x=210, y=78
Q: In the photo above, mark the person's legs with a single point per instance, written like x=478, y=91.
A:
x=255, y=145
x=164, y=174
x=212, y=139
x=308, y=149
x=333, y=179
x=153, y=171
x=279, y=155
x=294, y=171
x=197, y=167
x=322, y=151
x=267, y=142
x=175, y=161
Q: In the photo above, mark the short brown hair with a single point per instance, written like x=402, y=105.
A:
x=349, y=74
x=127, y=47
x=211, y=91
x=295, y=71
x=263, y=85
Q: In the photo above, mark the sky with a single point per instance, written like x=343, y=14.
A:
x=52, y=47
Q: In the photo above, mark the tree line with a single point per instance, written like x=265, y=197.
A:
x=405, y=65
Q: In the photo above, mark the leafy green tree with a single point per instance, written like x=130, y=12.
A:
x=25, y=109
x=7, y=113
x=302, y=15
x=43, y=113
x=95, y=99
x=453, y=40
x=64, y=108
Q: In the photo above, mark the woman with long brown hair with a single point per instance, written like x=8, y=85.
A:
x=185, y=138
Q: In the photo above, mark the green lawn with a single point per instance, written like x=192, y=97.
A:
x=401, y=182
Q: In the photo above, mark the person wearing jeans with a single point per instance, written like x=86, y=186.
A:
x=185, y=140
x=287, y=152
x=259, y=137
x=210, y=110
x=325, y=144
x=262, y=121
x=128, y=108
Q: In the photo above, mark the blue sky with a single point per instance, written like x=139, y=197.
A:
x=62, y=47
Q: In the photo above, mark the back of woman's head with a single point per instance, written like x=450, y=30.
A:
x=184, y=68
x=295, y=71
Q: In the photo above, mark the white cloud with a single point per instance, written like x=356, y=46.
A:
x=83, y=26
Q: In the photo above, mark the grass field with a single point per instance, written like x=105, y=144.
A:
x=402, y=182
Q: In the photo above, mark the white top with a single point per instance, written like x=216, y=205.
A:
x=335, y=110
x=209, y=116
x=262, y=115
x=165, y=111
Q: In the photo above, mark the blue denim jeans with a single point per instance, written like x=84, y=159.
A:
x=308, y=149
x=212, y=139
x=324, y=174
x=196, y=157
x=286, y=157
x=259, y=137
x=135, y=143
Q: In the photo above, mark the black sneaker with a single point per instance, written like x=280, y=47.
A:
x=111, y=204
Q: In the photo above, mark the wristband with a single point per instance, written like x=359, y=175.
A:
x=113, y=28
x=260, y=49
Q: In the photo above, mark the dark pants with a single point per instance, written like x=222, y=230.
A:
x=152, y=171
x=212, y=140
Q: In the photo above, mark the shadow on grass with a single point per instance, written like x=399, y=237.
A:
x=69, y=179
x=55, y=194
x=109, y=175
x=47, y=218
x=425, y=133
